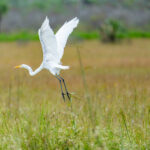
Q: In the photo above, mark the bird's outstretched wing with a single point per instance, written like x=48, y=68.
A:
x=48, y=42
x=63, y=34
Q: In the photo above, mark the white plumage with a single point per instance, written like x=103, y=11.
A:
x=53, y=47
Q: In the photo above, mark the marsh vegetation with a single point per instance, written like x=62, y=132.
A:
x=111, y=111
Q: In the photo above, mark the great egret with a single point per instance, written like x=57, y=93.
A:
x=53, y=48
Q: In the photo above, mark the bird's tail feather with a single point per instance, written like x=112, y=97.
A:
x=62, y=67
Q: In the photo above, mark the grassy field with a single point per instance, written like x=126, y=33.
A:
x=83, y=35
x=110, y=108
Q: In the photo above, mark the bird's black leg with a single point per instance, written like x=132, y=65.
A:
x=68, y=94
x=61, y=88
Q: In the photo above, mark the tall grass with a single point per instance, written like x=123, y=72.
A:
x=116, y=116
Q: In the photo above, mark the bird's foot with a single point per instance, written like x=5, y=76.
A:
x=63, y=95
x=69, y=96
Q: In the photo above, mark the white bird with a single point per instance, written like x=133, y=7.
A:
x=53, y=49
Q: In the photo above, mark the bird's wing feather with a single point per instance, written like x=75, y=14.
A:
x=48, y=42
x=63, y=34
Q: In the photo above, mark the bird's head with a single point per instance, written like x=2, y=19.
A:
x=21, y=66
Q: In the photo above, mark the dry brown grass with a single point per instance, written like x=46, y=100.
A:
x=118, y=79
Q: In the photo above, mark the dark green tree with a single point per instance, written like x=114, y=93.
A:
x=3, y=10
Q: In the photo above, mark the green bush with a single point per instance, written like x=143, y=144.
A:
x=111, y=30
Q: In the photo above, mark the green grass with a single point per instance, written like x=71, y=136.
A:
x=135, y=34
x=24, y=36
x=29, y=36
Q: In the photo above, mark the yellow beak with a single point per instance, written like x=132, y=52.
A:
x=17, y=66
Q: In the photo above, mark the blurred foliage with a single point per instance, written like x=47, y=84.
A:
x=44, y=4
x=3, y=10
x=21, y=36
x=86, y=35
x=136, y=34
x=47, y=4
x=110, y=31
x=87, y=2
x=30, y=36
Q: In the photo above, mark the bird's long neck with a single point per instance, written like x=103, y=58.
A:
x=31, y=72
